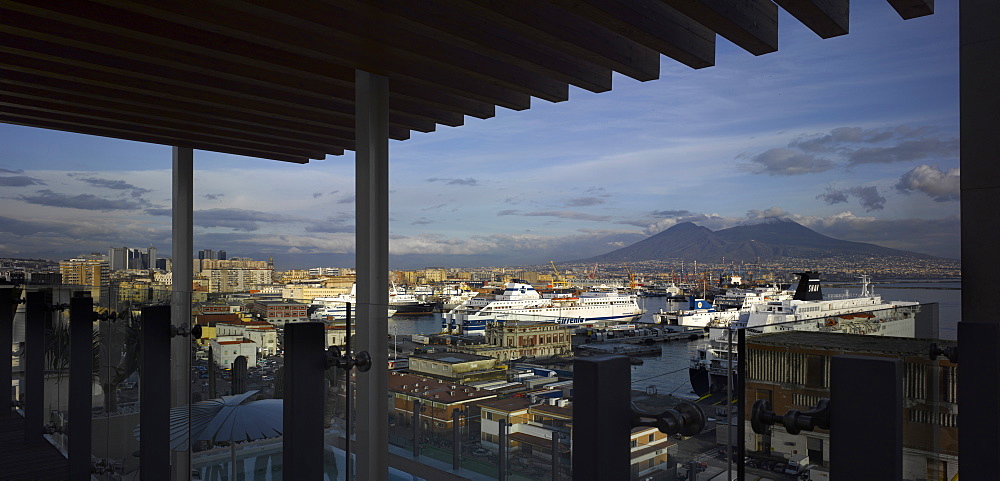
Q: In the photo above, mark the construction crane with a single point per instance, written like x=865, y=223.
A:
x=631, y=278
x=558, y=280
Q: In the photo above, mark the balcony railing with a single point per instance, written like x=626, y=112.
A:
x=890, y=401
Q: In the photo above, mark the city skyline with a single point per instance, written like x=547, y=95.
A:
x=855, y=137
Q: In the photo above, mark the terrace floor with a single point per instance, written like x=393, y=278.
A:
x=20, y=460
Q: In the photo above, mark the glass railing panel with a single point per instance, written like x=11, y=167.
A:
x=234, y=360
x=791, y=364
x=116, y=410
x=57, y=365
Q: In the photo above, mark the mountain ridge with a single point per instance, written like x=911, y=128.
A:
x=771, y=238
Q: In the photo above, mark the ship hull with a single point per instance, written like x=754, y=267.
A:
x=413, y=309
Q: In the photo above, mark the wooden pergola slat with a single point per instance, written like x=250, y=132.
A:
x=283, y=73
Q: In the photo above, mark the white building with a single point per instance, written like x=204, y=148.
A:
x=226, y=349
x=262, y=333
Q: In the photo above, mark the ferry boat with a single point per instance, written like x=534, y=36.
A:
x=808, y=309
x=684, y=314
x=335, y=308
x=405, y=303
x=598, y=307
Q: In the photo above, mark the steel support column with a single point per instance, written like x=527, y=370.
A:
x=979, y=343
x=154, y=417
x=34, y=365
x=81, y=367
x=602, y=418
x=180, y=305
x=7, y=307
x=372, y=191
x=866, y=418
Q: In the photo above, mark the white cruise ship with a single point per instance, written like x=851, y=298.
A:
x=521, y=302
x=807, y=310
x=723, y=311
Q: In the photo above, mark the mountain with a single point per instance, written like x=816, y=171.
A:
x=767, y=239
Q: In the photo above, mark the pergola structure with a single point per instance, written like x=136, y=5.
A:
x=277, y=79
x=299, y=80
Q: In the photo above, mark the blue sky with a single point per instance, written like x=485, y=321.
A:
x=855, y=137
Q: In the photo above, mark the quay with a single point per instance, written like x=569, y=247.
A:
x=643, y=335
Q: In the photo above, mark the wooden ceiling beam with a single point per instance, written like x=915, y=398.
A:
x=387, y=44
x=55, y=75
x=908, y=9
x=653, y=24
x=86, y=126
x=55, y=111
x=145, y=35
x=313, y=40
x=431, y=19
x=76, y=101
x=827, y=18
x=188, y=84
x=561, y=29
x=750, y=24
x=439, y=98
x=144, y=137
x=182, y=67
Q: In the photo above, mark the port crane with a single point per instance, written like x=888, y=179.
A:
x=557, y=280
x=631, y=278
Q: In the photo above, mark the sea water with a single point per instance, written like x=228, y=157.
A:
x=668, y=372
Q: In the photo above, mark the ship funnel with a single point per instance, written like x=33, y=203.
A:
x=808, y=288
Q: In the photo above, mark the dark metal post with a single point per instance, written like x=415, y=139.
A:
x=154, y=418
x=305, y=364
x=741, y=403
x=456, y=452
x=502, y=457
x=81, y=365
x=693, y=468
x=416, y=428
x=34, y=366
x=555, y=455
x=349, y=397
x=866, y=418
x=978, y=392
x=602, y=416
x=7, y=307
x=211, y=373
x=729, y=403
x=239, y=377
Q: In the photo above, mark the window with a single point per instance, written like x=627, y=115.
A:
x=815, y=370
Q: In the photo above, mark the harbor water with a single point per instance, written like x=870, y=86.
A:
x=668, y=372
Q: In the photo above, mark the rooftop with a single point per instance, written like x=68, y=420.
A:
x=848, y=342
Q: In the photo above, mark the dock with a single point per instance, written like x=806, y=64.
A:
x=644, y=336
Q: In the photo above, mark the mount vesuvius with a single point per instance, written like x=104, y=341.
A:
x=769, y=238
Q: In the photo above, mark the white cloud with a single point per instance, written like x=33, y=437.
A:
x=938, y=184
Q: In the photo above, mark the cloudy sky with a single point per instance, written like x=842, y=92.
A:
x=855, y=137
